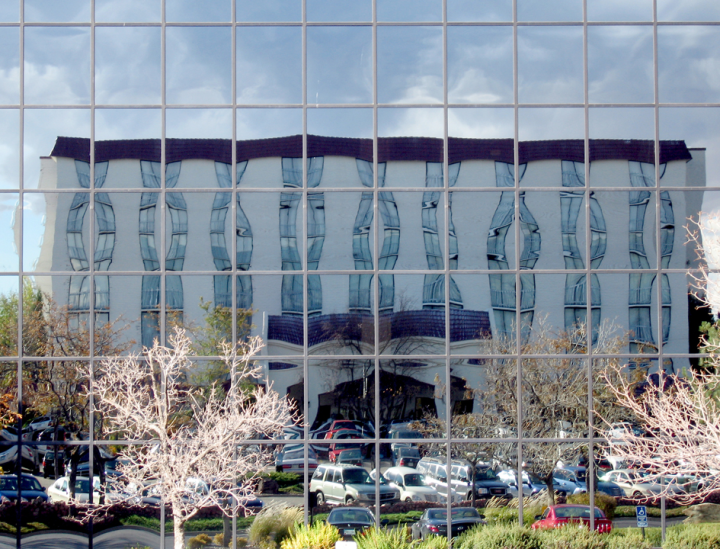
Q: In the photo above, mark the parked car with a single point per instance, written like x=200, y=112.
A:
x=30, y=488
x=633, y=483
x=556, y=516
x=486, y=482
x=290, y=458
x=196, y=488
x=412, y=485
x=349, y=456
x=60, y=489
x=39, y=423
x=531, y=483
x=351, y=521
x=434, y=522
x=9, y=452
x=405, y=457
x=349, y=484
x=49, y=465
x=573, y=481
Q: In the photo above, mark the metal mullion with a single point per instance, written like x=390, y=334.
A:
x=91, y=267
x=658, y=239
x=376, y=262
x=588, y=282
x=233, y=234
x=446, y=274
x=518, y=280
x=304, y=264
x=21, y=187
x=161, y=320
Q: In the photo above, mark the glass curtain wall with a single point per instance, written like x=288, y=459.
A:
x=443, y=219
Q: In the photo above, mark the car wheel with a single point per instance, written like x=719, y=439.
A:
x=408, y=500
x=637, y=495
x=349, y=500
x=320, y=498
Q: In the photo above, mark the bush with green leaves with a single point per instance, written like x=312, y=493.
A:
x=320, y=535
x=274, y=523
x=199, y=541
x=508, y=515
x=499, y=536
x=605, y=503
x=693, y=536
x=397, y=538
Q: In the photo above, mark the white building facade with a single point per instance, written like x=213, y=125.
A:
x=357, y=258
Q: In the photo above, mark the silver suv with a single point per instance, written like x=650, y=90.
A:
x=486, y=482
x=349, y=484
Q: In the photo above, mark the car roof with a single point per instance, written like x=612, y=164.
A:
x=402, y=470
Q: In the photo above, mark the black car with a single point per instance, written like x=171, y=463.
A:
x=30, y=488
x=434, y=522
x=48, y=464
x=405, y=457
x=351, y=520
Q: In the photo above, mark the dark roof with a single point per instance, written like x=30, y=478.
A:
x=389, y=148
x=349, y=328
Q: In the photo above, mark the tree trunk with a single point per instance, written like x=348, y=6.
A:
x=227, y=530
x=550, y=488
x=179, y=533
x=472, y=485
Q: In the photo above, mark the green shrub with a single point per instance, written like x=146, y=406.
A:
x=500, y=536
x=605, y=503
x=241, y=542
x=571, y=537
x=508, y=515
x=285, y=479
x=433, y=542
x=693, y=536
x=199, y=541
x=630, y=538
x=383, y=538
x=320, y=535
x=274, y=523
x=218, y=539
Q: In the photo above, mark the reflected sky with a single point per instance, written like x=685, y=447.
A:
x=410, y=65
x=57, y=65
x=269, y=65
x=51, y=11
x=480, y=65
x=198, y=65
x=687, y=64
x=620, y=64
x=191, y=11
x=339, y=65
x=127, y=65
x=550, y=65
x=140, y=11
x=9, y=65
x=339, y=10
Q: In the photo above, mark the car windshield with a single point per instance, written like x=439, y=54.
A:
x=441, y=514
x=409, y=452
x=357, y=476
x=580, y=474
x=415, y=479
x=485, y=473
x=407, y=434
x=576, y=512
x=27, y=484
x=350, y=515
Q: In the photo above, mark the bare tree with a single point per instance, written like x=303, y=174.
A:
x=552, y=402
x=187, y=436
x=681, y=417
x=679, y=413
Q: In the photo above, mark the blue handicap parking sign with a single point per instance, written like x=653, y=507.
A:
x=641, y=514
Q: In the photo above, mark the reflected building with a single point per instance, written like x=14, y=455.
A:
x=460, y=257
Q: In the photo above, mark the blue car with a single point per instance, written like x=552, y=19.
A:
x=30, y=488
x=572, y=480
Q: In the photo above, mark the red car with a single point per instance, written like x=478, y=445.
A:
x=558, y=515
